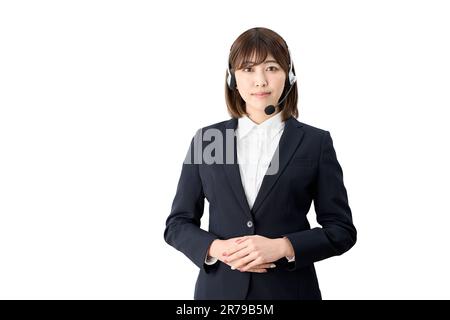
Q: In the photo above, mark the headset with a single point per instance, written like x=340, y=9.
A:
x=290, y=80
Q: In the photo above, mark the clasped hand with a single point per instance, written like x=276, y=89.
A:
x=249, y=253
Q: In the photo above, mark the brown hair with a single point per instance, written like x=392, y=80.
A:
x=259, y=41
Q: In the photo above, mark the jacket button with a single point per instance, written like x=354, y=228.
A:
x=249, y=224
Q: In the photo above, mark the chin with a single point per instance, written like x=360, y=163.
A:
x=258, y=107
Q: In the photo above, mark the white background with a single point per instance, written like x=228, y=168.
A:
x=99, y=101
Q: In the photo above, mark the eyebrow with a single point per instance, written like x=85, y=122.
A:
x=267, y=61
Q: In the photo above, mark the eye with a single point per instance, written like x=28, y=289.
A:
x=274, y=68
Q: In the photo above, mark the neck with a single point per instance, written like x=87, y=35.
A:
x=259, y=116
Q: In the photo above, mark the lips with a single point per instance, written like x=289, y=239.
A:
x=261, y=94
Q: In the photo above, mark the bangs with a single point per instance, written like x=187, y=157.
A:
x=252, y=53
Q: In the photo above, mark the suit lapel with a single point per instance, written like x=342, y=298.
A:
x=289, y=141
x=233, y=174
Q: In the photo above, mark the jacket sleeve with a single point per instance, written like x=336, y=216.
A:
x=183, y=230
x=338, y=234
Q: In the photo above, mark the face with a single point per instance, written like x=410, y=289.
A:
x=267, y=77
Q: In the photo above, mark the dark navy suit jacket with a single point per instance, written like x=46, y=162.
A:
x=308, y=170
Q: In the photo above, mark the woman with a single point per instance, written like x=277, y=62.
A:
x=260, y=172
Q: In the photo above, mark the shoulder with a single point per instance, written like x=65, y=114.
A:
x=310, y=129
x=218, y=125
x=214, y=129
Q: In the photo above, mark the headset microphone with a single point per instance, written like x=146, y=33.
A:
x=271, y=108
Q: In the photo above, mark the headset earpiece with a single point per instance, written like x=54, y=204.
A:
x=231, y=79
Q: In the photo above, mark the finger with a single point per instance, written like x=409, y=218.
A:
x=238, y=239
x=251, y=265
x=232, y=253
x=245, y=261
x=241, y=239
x=265, y=266
x=258, y=270
x=237, y=255
x=235, y=248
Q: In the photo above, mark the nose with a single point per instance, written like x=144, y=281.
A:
x=260, y=79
